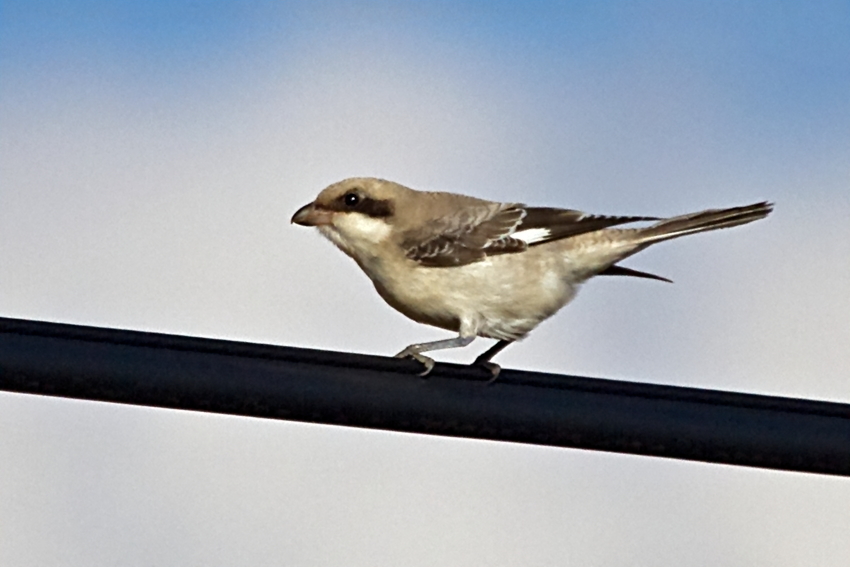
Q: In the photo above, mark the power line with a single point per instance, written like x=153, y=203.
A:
x=336, y=388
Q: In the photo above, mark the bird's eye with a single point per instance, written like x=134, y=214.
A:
x=351, y=199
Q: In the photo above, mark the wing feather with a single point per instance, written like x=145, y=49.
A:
x=475, y=232
x=542, y=224
x=467, y=236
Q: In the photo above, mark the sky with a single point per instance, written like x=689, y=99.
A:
x=152, y=154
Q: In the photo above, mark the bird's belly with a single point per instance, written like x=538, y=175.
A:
x=493, y=298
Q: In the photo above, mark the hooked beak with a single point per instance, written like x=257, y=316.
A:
x=310, y=215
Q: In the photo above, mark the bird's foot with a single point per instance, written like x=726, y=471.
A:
x=428, y=363
x=491, y=367
x=484, y=359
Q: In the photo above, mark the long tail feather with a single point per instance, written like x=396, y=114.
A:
x=711, y=219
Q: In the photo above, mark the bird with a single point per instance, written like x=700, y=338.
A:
x=483, y=268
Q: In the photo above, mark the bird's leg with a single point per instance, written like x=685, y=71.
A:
x=484, y=359
x=415, y=351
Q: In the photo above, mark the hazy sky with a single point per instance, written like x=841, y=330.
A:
x=151, y=155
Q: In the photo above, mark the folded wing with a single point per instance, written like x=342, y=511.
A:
x=475, y=232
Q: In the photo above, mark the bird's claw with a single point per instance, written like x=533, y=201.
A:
x=428, y=363
x=494, y=369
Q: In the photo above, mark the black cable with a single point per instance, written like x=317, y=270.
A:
x=384, y=393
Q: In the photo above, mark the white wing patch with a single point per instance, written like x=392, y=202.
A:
x=532, y=235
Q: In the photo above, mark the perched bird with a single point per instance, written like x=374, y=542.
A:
x=482, y=268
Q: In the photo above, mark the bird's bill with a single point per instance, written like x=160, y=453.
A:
x=310, y=215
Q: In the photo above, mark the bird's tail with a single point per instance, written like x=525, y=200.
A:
x=702, y=221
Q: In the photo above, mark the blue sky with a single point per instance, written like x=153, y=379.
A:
x=151, y=155
x=771, y=56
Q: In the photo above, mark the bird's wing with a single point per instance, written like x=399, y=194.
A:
x=474, y=232
x=466, y=235
x=541, y=225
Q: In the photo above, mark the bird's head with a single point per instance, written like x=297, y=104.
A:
x=356, y=214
